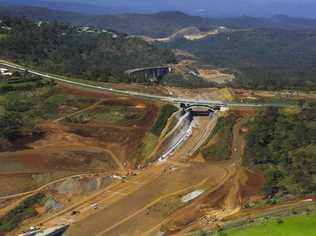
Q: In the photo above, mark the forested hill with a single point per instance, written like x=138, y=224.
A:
x=159, y=24
x=261, y=58
x=42, y=14
x=154, y=25
x=73, y=51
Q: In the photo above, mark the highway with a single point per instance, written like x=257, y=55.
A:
x=176, y=100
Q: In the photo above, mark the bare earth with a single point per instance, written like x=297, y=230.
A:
x=143, y=203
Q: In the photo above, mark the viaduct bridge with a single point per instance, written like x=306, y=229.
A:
x=153, y=74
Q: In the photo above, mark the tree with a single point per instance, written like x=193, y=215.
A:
x=11, y=125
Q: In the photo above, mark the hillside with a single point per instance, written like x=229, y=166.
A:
x=155, y=25
x=260, y=58
x=74, y=51
x=189, y=33
x=40, y=13
x=266, y=53
x=158, y=25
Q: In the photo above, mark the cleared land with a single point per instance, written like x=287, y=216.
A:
x=86, y=137
x=103, y=138
x=79, y=146
x=156, y=204
x=215, y=75
x=151, y=200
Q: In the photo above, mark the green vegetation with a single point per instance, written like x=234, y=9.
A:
x=25, y=103
x=170, y=126
x=164, y=114
x=263, y=53
x=23, y=211
x=118, y=115
x=260, y=58
x=150, y=141
x=303, y=225
x=20, y=107
x=283, y=146
x=156, y=25
x=21, y=82
x=70, y=51
x=223, y=133
x=160, y=24
x=145, y=148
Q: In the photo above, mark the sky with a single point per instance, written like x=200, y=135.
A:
x=217, y=7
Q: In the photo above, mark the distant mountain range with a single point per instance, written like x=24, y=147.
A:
x=82, y=8
x=157, y=25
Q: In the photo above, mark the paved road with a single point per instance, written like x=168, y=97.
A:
x=177, y=100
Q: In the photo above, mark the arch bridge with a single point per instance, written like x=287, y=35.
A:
x=209, y=109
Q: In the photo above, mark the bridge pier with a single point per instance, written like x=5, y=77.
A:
x=153, y=74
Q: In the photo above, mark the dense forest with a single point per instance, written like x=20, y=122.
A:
x=283, y=146
x=262, y=58
x=73, y=51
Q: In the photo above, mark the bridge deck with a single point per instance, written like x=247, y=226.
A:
x=131, y=71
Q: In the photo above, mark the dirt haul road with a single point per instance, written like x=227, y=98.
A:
x=133, y=210
x=130, y=213
x=128, y=203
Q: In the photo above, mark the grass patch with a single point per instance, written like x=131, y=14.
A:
x=120, y=115
x=173, y=122
x=24, y=105
x=142, y=154
x=117, y=115
x=25, y=210
x=145, y=148
x=164, y=114
x=303, y=225
x=223, y=133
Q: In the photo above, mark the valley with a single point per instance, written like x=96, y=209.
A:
x=93, y=191
x=155, y=124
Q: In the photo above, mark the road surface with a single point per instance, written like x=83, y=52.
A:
x=176, y=100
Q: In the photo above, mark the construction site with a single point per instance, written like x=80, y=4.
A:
x=115, y=165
